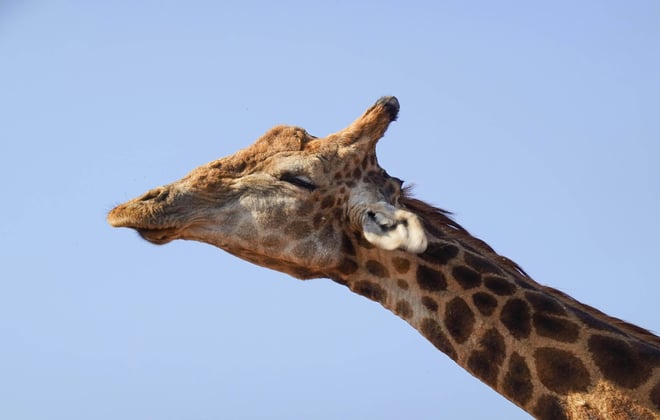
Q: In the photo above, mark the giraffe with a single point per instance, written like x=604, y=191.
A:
x=324, y=208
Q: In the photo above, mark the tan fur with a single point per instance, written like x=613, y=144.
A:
x=316, y=207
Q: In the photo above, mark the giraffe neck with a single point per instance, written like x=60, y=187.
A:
x=546, y=352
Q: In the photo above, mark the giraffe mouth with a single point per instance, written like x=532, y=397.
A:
x=155, y=235
x=135, y=215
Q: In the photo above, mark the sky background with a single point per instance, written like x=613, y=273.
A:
x=537, y=124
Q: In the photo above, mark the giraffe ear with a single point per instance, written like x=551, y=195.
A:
x=390, y=228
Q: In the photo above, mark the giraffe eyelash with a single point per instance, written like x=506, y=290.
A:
x=299, y=181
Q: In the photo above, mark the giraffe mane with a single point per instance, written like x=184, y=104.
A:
x=594, y=315
x=440, y=224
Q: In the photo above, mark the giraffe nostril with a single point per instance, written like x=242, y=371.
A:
x=157, y=194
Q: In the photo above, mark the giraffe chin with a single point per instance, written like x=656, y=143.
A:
x=158, y=236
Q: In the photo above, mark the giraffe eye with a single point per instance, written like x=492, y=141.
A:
x=299, y=181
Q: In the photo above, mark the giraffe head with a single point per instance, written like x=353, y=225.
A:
x=287, y=202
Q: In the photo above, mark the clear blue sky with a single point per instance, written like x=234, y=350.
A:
x=538, y=125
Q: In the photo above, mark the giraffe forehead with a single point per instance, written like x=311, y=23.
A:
x=292, y=148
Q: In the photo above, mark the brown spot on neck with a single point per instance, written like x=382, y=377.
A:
x=556, y=328
x=545, y=304
x=561, y=371
x=626, y=365
x=485, y=303
x=429, y=279
x=518, y=380
x=499, y=285
x=430, y=303
x=401, y=265
x=485, y=362
x=430, y=328
x=459, y=319
x=466, y=277
x=438, y=253
x=515, y=316
x=403, y=309
x=480, y=264
x=370, y=290
x=377, y=269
